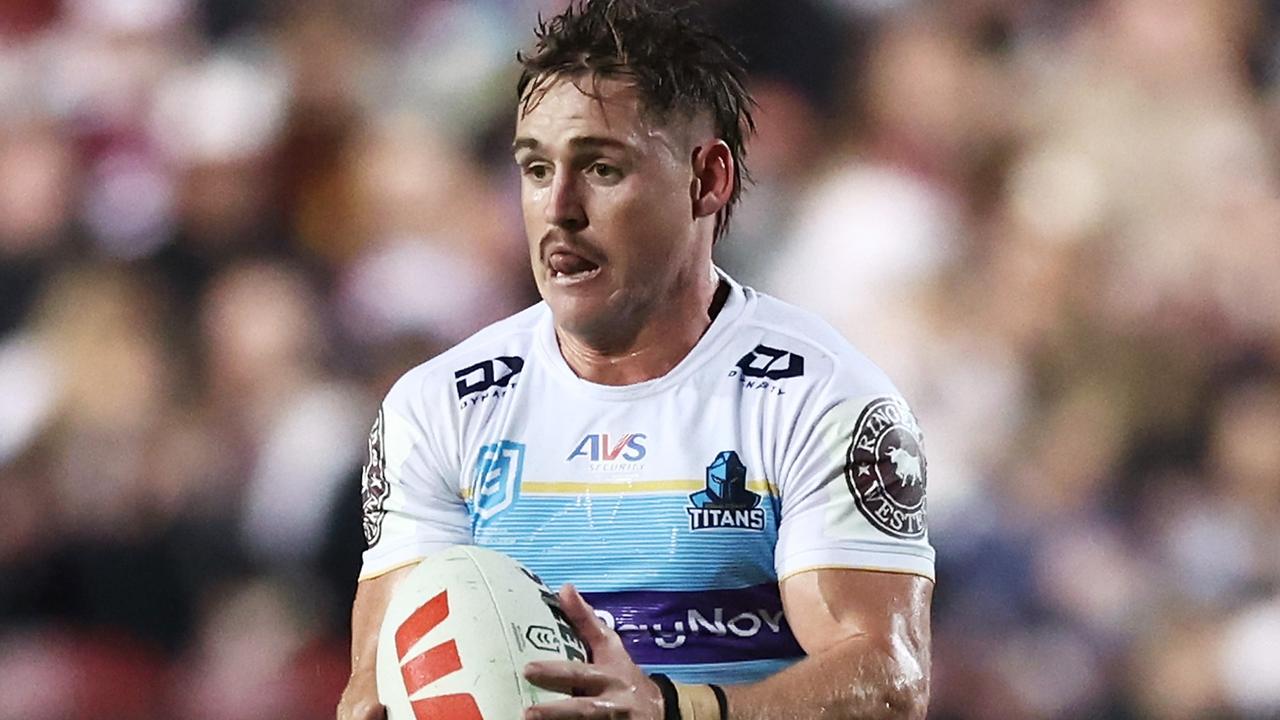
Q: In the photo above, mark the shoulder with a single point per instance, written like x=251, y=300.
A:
x=491, y=358
x=833, y=367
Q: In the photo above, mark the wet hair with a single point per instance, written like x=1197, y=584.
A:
x=678, y=67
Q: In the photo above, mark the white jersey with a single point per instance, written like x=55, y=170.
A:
x=675, y=505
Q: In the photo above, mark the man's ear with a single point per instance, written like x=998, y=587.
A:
x=712, y=184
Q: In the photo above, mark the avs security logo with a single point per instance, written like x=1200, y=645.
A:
x=764, y=366
x=617, y=453
x=726, y=503
x=495, y=484
x=886, y=468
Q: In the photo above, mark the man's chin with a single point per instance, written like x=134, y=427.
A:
x=579, y=315
x=587, y=316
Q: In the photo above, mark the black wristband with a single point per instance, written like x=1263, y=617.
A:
x=670, y=697
x=722, y=700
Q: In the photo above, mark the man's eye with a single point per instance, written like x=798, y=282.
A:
x=537, y=171
x=603, y=171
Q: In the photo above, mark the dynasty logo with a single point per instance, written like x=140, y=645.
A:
x=763, y=367
x=487, y=379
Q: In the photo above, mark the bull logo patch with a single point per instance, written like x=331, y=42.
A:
x=886, y=469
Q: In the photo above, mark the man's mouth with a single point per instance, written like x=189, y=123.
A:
x=566, y=265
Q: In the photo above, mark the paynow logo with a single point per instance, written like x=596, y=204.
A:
x=432, y=664
x=600, y=447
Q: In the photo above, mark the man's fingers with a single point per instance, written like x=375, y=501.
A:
x=581, y=708
x=590, y=628
x=569, y=677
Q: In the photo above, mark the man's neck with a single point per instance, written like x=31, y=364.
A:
x=658, y=346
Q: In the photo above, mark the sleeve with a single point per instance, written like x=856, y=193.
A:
x=853, y=491
x=411, y=507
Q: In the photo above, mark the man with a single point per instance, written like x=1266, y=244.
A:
x=738, y=493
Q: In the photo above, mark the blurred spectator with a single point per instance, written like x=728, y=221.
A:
x=301, y=429
x=437, y=262
x=37, y=174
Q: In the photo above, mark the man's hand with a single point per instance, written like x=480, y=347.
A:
x=612, y=686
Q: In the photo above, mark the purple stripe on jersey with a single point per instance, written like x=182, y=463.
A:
x=703, y=626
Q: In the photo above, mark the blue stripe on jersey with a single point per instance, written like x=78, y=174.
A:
x=706, y=626
x=699, y=599
x=608, y=543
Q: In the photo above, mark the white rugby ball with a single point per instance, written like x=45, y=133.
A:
x=458, y=632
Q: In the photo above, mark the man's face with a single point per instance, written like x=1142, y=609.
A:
x=606, y=194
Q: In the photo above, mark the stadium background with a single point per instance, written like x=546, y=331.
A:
x=227, y=225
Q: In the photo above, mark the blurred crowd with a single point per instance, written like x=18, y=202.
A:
x=226, y=226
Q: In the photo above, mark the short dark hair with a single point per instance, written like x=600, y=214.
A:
x=675, y=63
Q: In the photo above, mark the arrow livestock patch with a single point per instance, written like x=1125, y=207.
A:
x=886, y=469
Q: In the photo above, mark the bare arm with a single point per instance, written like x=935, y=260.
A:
x=360, y=698
x=866, y=634
x=867, y=637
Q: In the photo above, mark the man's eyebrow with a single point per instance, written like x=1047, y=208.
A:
x=592, y=141
x=577, y=143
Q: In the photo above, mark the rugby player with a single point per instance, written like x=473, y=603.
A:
x=731, y=496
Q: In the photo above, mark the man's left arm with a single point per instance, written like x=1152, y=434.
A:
x=854, y=498
x=866, y=634
x=867, y=637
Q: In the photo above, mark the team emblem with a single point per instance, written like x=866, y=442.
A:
x=886, y=468
x=726, y=502
x=374, y=487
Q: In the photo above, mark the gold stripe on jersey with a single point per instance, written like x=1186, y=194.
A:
x=628, y=487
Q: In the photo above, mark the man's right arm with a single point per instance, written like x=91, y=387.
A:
x=360, y=698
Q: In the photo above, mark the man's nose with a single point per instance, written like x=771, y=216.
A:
x=564, y=207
